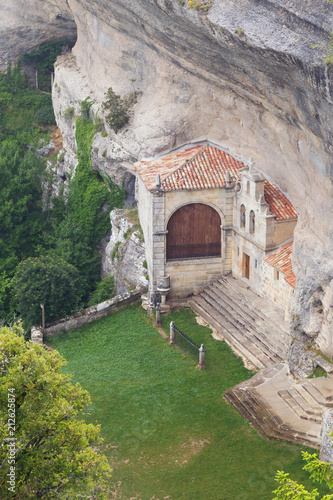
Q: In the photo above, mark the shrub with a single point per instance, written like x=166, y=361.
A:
x=69, y=113
x=118, y=108
x=45, y=116
x=85, y=106
x=49, y=281
x=104, y=291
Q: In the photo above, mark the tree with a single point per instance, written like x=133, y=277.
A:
x=49, y=281
x=290, y=490
x=56, y=455
x=118, y=108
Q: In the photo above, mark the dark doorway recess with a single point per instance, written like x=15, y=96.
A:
x=194, y=231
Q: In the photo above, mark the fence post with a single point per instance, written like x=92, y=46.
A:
x=202, y=351
x=158, y=315
x=172, y=333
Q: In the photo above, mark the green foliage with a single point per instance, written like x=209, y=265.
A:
x=200, y=6
x=104, y=153
x=240, y=32
x=104, y=134
x=118, y=108
x=318, y=372
x=117, y=194
x=85, y=107
x=87, y=194
x=45, y=116
x=43, y=59
x=144, y=264
x=57, y=455
x=328, y=60
x=49, y=281
x=69, y=113
x=21, y=217
x=104, y=291
x=115, y=253
x=291, y=490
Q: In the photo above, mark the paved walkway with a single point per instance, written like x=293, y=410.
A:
x=276, y=405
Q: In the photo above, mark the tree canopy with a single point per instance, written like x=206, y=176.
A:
x=49, y=281
x=56, y=454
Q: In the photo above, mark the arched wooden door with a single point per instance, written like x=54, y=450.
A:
x=194, y=231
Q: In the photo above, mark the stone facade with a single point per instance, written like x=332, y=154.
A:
x=276, y=288
x=249, y=229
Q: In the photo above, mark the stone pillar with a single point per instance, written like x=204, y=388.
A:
x=202, y=351
x=326, y=448
x=158, y=315
x=163, y=287
x=172, y=333
x=36, y=335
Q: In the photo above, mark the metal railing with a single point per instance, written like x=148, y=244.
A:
x=174, y=330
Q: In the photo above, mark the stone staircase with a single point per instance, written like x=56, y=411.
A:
x=241, y=319
x=279, y=407
x=276, y=405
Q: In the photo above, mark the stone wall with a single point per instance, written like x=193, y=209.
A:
x=92, y=313
x=277, y=290
x=192, y=275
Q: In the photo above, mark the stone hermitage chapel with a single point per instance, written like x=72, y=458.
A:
x=205, y=213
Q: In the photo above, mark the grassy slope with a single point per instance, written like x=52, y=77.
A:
x=168, y=432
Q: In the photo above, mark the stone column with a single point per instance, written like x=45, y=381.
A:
x=202, y=351
x=172, y=333
x=326, y=448
x=158, y=315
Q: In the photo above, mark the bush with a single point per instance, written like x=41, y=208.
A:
x=104, y=291
x=45, y=116
x=69, y=113
x=118, y=108
x=49, y=281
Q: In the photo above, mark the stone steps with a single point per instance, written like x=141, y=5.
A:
x=264, y=310
x=235, y=340
x=241, y=323
x=318, y=392
x=239, y=319
x=300, y=406
x=275, y=409
x=266, y=425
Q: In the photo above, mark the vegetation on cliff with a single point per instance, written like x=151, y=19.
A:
x=33, y=226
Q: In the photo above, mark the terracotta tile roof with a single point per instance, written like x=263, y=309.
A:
x=278, y=203
x=199, y=167
x=280, y=259
x=205, y=167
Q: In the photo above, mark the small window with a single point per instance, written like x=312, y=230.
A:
x=255, y=263
x=276, y=275
x=248, y=187
x=252, y=224
x=237, y=251
x=242, y=216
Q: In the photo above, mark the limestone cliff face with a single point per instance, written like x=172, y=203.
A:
x=249, y=76
x=124, y=255
x=263, y=92
x=25, y=25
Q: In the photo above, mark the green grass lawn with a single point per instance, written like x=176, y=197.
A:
x=168, y=432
